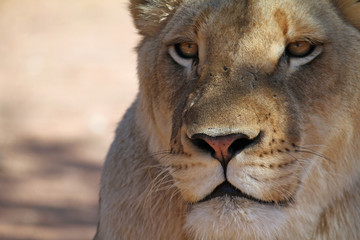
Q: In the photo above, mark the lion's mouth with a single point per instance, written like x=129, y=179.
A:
x=226, y=189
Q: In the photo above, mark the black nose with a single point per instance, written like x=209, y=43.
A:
x=223, y=148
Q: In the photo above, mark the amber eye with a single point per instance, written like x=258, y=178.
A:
x=187, y=50
x=299, y=49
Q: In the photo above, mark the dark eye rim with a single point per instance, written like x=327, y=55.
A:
x=181, y=54
x=311, y=50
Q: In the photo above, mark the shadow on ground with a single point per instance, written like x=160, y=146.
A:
x=67, y=74
x=49, y=190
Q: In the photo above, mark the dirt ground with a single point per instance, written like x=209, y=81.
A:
x=67, y=74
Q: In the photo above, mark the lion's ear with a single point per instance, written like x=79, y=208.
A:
x=350, y=10
x=150, y=15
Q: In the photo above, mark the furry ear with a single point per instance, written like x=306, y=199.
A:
x=350, y=10
x=150, y=15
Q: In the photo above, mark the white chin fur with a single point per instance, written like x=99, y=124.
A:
x=231, y=218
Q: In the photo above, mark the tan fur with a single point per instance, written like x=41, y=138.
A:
x=305, y=115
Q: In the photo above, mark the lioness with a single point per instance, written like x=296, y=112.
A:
x=246, y=125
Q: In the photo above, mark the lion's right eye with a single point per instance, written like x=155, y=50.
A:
x=187, y=50
x=184, y=53
x=299, y=49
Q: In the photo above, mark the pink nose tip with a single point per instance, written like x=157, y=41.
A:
x=222, y=148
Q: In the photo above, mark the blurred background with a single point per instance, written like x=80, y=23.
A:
x=67, y=74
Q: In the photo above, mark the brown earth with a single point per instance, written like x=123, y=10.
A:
x=67, y=74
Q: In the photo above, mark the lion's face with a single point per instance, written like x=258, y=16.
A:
x=254, y=107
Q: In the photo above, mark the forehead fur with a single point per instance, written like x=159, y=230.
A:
x=152, y=15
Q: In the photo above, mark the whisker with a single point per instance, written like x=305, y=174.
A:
x=159, y=153
x=314, y=145
x=298, y=160
x=306, y=149
x=158, y=182
x=309, y=151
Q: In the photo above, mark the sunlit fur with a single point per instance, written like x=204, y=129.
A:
x=305, y=113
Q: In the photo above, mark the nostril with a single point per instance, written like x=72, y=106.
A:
x=240, y=144
x=203, y=145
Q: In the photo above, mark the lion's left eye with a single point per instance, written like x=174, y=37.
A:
x=184, y=53
x=299, y=49
x=301, y=52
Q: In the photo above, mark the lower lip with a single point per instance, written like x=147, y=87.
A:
x=226, y=189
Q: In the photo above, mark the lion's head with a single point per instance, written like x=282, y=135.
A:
x=256, y=106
